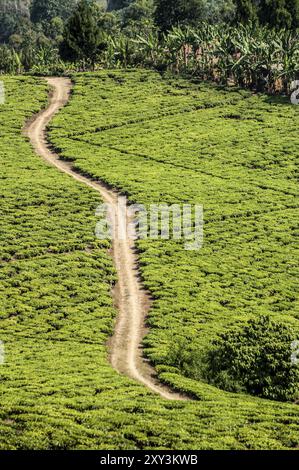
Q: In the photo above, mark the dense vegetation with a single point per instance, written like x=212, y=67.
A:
x=223, y=319
x=253, y=44
x=275, y=13
x=57, y=388
x=176, y=136
x=255, y=360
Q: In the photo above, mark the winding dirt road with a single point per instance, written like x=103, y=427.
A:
x=131, y=299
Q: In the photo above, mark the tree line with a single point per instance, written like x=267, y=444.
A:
x=253, y=43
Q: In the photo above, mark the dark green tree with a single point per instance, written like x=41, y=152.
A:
x=13, y=24
x=42, y=10
x=256, y=360
x=137, y=11
x=83, y=38
x=219, y=11
x=293, y=8
x=274, y=13
x=117, y=4
x=246, y=11
x=170, y=13
x=279, y=13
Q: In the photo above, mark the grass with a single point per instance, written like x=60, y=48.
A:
x=153, y=139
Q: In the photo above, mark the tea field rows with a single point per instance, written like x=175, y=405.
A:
x=57, y=388
x=233, y=152
x=236, y=158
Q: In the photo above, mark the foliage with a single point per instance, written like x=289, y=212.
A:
x=45, y=11
x=12, y=24
x=117, y=4
x=256, y=360
x=137, y=12
x=58, y=390
x=219, y=11
x=246, y=11
x=83, y=39
x=226, y=43
x=251, y=57
x=179, y=140
x=274, y=13
x=9, y=60
x=171, y=13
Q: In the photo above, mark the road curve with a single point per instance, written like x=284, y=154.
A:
x=131, y=299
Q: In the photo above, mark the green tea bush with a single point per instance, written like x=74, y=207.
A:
x=153, y=138
x=256, y=360
x=177, y=140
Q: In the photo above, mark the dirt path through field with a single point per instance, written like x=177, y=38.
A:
x=131, y=299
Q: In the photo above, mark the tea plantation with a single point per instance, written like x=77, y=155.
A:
x=155, y=139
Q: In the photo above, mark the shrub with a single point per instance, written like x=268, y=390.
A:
x=256, y=359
